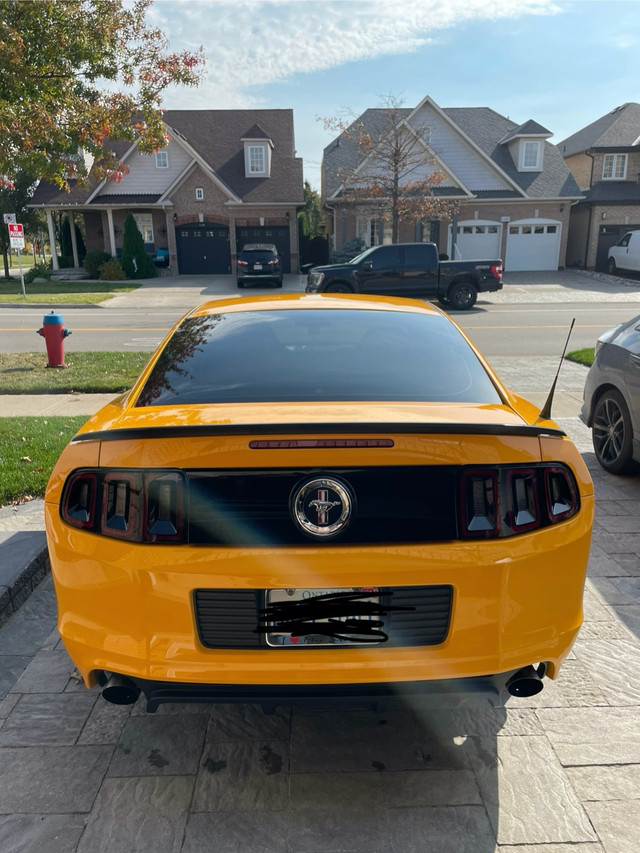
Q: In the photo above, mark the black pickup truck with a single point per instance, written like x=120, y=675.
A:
x=409, y=269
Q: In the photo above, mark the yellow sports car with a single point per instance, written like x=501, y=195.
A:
x=314, y=496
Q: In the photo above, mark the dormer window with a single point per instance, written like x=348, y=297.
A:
x=614, y=167
x=530, y=155
x=162, y=160
x=257, y=153
x=257, y=159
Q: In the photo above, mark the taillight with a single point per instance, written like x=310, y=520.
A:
x=242, y=263
x=505, y=501
x=480, y=503
x=274, y=262
x=163, y=517
x=496, y=270
x=126, y=504
x=79, y=506
x=562, y=500
x=523, y=499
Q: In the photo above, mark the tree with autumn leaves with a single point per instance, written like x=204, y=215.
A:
x=392, y=169
x=77, y=73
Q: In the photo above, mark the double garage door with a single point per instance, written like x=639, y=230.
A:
x=532, y=244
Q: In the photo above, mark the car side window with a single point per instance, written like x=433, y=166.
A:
x=419, y=256
x=385, y=258
x=625, y=240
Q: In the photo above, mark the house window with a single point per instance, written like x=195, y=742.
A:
x=531, y=155
x=257, y=160
x=162, y=160
x=199, y=194
x=614, y=167
x=144, y=221
x=368, y=230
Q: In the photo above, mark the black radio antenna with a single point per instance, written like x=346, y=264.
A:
x=545, y=411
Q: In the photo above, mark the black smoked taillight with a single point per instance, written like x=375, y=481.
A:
x=121, y=504
x=510, y=499
x=163, y=516
x=126, y=503
x=522, y=488
x=79, y=500
x=480, y=503
x=562, y=499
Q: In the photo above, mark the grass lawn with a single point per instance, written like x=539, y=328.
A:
x=582, y=356
x=87, y=372
x=29, y=448
x=64, y=292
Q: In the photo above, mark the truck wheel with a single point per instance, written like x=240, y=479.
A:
x=462, y=295
x=338, y=287
x=613, y=270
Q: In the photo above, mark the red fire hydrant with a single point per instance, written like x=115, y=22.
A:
x=54, y=333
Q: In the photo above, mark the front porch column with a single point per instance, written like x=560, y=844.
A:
x=112, y=233
x=74, y=243
x=52, y=241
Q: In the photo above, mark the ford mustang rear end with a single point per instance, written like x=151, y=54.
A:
x=313, y=497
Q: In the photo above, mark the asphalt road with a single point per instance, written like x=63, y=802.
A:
x=525, y=319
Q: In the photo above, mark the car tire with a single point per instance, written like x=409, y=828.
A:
x=338, y=287
x=612, y=433
x=240, y=283
x=613, y=269
x=462, y=295
x=277, y=283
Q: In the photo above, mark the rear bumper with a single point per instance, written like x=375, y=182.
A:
x=454, y=692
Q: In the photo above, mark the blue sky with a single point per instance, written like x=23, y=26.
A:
x=563, y=64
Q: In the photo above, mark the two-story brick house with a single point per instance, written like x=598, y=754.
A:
x=604, y=158
x=225, y=178
x=513, y=187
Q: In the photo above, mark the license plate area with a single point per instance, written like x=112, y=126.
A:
x=313, y=618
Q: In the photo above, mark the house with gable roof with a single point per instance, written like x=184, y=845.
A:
x=513, y=187
x=604, y=158
x=225, y=178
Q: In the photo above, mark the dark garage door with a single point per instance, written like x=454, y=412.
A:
x=279, y=236
x=203, y=248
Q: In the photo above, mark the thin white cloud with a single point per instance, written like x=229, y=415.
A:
x=258, y=42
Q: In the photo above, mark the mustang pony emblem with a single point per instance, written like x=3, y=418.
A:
x=322, y=507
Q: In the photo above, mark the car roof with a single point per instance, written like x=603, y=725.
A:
x=250, y=247
x=293, y=301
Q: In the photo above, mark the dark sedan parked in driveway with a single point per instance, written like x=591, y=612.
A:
x=612, y=398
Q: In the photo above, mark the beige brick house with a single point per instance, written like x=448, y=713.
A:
x=225, y=178
x=512, y=185
x=604, y=158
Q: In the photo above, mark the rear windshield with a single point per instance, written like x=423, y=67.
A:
x=316, y=355
x=257, y=254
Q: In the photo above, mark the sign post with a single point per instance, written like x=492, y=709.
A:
x=16, y=237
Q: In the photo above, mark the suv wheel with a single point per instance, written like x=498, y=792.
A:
x=613, y=434
x=338, y=287
x=462, y=295
x=240, y=283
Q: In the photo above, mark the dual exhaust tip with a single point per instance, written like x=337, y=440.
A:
x=526, y=682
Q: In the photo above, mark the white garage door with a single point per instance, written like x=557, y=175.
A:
x=533, y=244
x=477, y=239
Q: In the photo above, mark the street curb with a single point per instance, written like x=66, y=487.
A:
x=52, y=305
x=15, y=595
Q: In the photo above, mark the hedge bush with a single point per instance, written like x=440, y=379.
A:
x=112, y=270
x=93, y=261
